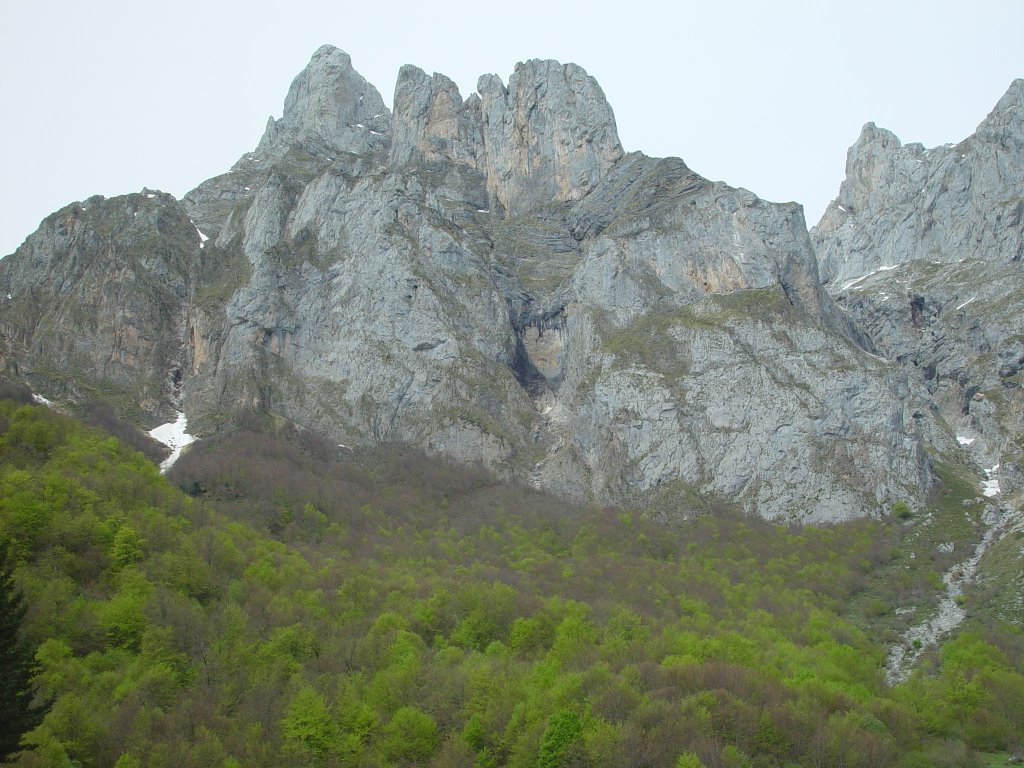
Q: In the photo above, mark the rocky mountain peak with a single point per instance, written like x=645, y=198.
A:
x=1014, y=96
x=923, y=249
x=431, y=124
x=332, y=107
x=550, y=136
x=495, y=280
x=902, y=202
x=875, y=163
x=1004, y=125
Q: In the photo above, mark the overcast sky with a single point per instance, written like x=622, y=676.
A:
x=106, y=97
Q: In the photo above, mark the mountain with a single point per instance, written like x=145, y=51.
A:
x=923, y=249
x=902, y=203
x=495, y=279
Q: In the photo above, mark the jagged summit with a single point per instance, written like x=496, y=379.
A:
x=1014, y=97
x=431, y=123
x=1005, y=124
x=549, y=136
x=924, y=248
x=494, y=279
x=903, y=202
x=330, y=106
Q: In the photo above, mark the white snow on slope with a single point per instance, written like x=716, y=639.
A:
x=42, y=400
x=202, y=238
x=175, y=437
x=990, y=486
x=852, y=283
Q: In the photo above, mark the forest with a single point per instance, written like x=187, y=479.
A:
x=279, y=600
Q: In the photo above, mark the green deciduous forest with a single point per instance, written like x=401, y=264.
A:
x=278, y=601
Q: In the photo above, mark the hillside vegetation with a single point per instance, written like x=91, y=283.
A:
x=280, y=601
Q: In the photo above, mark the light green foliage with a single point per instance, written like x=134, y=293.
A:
x=563, y=733
x=127, y=546
x=307, y=724
x=689, y=760
x=410, y=735
x=122, y=617
x=385, y=622
x=902, y=510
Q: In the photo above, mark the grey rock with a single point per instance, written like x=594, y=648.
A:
x=956, y=329
x=431, y=125
x=900, y=202
x=332, y=108
x=923, y=251
x=93, y=304
x=493, y=279
x=550, y=136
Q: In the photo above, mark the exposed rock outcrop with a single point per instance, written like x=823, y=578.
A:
x=923, y=250
x=550, y=136
x=903, y=203
x=494, y=279
x=94, y=302
x=330, y=108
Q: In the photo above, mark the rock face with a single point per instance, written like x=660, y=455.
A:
x=494, y=279
x=330, y=107
x=549, y=137
x=923, y=249
x=904, y=203
x=94, y=302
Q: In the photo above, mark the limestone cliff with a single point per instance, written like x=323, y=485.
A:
x=93, y=304
x=495, y=279
x=923, y=249
x=901, y=203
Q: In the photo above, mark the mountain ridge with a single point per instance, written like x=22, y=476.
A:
x=495, y=280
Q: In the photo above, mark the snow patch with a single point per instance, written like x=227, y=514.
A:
x=965, y=440
x=202, y=238
x=150, y=195
x=40, y=399
x=990, y=485
x=862, y=278
x=175, y=436
x=483, y=210
x=975, y=298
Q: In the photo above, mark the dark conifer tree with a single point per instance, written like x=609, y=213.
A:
x=17, y=663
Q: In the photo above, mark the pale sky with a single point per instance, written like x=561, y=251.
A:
x=108, y=96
